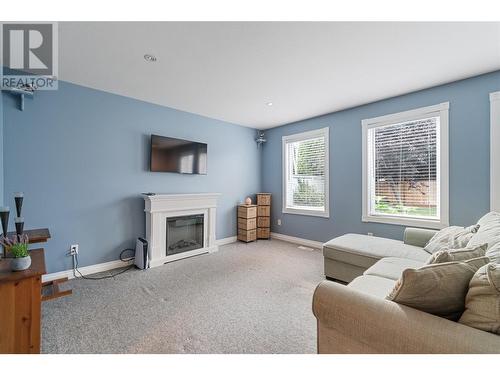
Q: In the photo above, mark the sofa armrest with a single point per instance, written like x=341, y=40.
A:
x=350, y=321
x=418, y=236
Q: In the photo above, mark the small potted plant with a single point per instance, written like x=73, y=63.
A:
x=18, y=248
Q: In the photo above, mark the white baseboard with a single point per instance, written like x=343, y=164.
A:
x=297, y=240
x=225, y=241
x=87, y=270
x=107, y=266
x=58, y=275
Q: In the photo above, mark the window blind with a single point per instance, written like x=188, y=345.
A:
x=404, y=170
x=306, y=174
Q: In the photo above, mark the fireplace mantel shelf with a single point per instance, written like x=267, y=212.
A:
x=157, y=196
x=170, y=202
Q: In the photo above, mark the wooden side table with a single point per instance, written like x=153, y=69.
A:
x=21, y=298
x=20, y=305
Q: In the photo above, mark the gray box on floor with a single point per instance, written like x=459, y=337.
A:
x=141, y=254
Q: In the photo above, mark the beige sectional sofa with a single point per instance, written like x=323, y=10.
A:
x=348, y=256
x=352, y=319
x=356, y=318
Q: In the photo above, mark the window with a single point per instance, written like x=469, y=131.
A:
x=405, y=168
x=305, y=173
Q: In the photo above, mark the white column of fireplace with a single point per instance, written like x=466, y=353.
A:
x=159, y=207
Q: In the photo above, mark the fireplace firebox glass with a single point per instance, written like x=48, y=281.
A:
x=184, y=233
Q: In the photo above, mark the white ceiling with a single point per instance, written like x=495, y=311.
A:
x=229, y=71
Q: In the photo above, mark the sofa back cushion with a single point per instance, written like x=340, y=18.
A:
x=453, y=237
x=457, y=255
x=489, y=233
x=493, y=252
x=438, y=289
x=482, y=304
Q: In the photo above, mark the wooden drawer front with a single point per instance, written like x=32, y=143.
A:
x=247, y=212
x=264, y=211
x=263, y=233
x=263, y=222
x=264, y=199
x=247, y=235
x=247, y=224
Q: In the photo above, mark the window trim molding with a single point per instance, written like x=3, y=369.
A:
x=441, y=110
x=323, y=132
x=494, y=152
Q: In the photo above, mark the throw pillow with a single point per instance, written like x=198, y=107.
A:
x=482, y=304
x=462, y=238
x=450, y=238
x=489, y=230
x=457, y=255
x=438, y=289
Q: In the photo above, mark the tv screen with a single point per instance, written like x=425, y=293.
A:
x=177, y=155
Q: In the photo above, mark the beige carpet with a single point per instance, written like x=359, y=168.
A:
x=246, y=298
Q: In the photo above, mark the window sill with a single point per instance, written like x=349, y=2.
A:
x=419, y=223
x=305, y=212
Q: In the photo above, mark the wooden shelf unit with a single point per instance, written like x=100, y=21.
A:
x=247, y=222
x=20, y=307
x=34, y=235
x=21, y=295
x=263, y=216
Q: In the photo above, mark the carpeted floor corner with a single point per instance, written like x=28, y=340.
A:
x=246, y=298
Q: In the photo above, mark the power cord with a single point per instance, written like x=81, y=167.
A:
x=75, y=267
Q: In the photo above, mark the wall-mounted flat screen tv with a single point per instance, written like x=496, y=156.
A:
x=177, y=155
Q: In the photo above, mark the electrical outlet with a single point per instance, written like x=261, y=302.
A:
x=73, y=250
x=279, y=221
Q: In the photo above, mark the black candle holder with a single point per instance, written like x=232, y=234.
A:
x=4, y=217
x=18, y=198
x=19, y=221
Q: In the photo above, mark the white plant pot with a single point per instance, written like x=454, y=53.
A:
x=20, y=264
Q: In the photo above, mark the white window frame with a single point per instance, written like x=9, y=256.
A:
x=440, y=110
x=494, y=151
x=324, y=132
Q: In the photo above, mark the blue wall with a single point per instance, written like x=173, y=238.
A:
x=81, y=158
x=1, y=148
x=469, y=160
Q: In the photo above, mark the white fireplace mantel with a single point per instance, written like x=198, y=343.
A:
x=159, y=207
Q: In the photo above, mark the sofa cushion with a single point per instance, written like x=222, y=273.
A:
x=493, y=253
x=372, y=285
x=453, y=237
x=392, y=268
x=364, y=251
x=482, y=304
x=438, y=289
x=457, y=255
x=489, y=231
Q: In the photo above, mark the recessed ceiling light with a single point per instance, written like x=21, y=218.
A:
x=149, y=58
x=269, y=104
